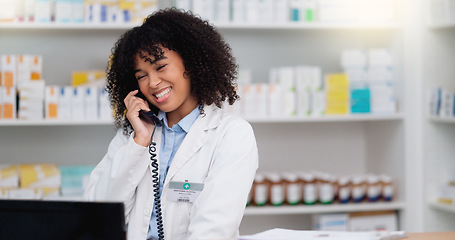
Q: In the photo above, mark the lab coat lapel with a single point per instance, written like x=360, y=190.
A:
x=194, y=140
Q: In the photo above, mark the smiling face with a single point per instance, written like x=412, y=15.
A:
x=165, y=85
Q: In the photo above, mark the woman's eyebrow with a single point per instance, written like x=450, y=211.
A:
x=162, y=57
x=151, y=62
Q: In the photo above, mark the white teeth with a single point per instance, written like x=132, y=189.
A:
x=161, y=94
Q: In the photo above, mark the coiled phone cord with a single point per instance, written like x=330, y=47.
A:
x=156, y=185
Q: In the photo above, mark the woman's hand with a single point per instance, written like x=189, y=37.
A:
x=142, y=129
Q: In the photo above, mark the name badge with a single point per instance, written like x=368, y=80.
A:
x=184, y=191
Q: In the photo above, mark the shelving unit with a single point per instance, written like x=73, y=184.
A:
x=439, y=133
x=336, y=144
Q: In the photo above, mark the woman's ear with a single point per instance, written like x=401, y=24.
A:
x=185, y=75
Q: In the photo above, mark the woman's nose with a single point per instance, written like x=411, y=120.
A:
x=154, y=81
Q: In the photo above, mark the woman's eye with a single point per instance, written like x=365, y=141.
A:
x=139, y=77
x=160, y=67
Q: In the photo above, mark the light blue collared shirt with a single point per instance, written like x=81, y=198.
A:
x=172, y=138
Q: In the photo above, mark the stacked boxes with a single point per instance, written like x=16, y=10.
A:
x=31, y=100
x=74, y=179
x=8, y=80
x=43, y=181
x=25, y=96
x=360, y=97
x=354, y=64
x=442, y=102
x=380, y=76
x=20, y=72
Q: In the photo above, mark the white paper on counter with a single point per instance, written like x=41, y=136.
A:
x=286, y=234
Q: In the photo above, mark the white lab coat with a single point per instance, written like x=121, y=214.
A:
x=219, y=151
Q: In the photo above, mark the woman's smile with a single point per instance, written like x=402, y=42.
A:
x=163, y=94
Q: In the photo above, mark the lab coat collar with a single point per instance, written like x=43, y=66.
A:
x=195, y=139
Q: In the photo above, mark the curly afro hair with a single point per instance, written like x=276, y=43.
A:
x=206, y=56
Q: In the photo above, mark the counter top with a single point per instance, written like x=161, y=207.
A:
x=431, y=236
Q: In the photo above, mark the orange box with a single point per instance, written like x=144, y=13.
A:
x=8, y=102
x=8, y=66
x=51, y=100
x=36, y=67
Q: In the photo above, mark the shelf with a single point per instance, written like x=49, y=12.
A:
x=345, y=118
x=443, y=207
x=332, y=208
x=442, y=119
x=442, y=25
x=271, y=26
x=54, y=122
x=333, y=118
x=68, y=26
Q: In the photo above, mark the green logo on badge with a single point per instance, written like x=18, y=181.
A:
x=186, y=186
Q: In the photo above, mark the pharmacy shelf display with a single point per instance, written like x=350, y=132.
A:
x=338, y=144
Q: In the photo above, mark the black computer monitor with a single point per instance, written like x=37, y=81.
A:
x=62, y=220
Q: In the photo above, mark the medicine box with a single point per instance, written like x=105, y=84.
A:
x=39, y=175
x=74, y=179
x=51, y=102
x=91, y=106
x=8, y=67
x=31, y=100
x=8, y=107
x=330, y=222
x=24, y=72
x=43, y=10
x=337, y=93
x=373, y=221
x=65, y=98
x=105, y=111
x=78, y=103
x=36, y=67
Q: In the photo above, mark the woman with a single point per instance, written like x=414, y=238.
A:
x=179, y=67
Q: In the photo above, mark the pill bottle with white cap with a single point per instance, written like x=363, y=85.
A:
x=293, y=188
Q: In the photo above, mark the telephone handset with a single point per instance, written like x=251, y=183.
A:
x=150, y=116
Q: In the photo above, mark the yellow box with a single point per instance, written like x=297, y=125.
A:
x=338, y=95
x=39, y=175
x=87, y=77
x=79, y=78
x=337, y=80
x=341, y=109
